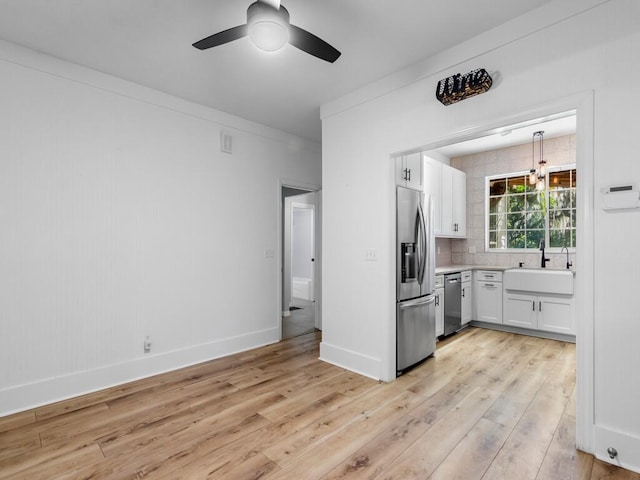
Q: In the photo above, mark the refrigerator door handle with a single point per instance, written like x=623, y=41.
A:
x=418, y=303
x=421, y=234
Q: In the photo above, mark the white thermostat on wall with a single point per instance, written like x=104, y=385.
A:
x=621, y=197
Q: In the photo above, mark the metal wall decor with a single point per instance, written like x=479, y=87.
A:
x=458, y=87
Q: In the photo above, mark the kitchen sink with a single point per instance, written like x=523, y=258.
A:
x=542, y=280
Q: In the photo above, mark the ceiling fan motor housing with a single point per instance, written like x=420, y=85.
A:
x=268, y=27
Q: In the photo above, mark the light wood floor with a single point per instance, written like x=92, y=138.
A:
x=490, y=405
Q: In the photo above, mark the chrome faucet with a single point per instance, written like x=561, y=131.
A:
x=569, y=264
x=544, y=260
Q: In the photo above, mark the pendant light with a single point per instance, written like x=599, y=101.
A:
x=537, y=176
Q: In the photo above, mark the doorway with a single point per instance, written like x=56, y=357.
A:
x=299, y=271
x=581, y=106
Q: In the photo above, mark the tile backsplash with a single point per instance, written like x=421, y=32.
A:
x=558, y=151
x=443, y=252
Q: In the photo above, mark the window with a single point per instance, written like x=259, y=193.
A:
x=520, y=215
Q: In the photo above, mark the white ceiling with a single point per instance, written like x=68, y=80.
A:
x=149, y=42
x=510, y=135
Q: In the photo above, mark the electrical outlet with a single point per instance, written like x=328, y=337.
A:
x=371, y=255
x=147, y=344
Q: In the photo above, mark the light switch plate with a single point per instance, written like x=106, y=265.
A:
x=226, y=142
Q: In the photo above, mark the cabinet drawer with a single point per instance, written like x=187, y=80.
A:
x=466, y=276
x=439, y=281
x=489, y=275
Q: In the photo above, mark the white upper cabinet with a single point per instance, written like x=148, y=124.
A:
x=409, y=171
x=458, y=203
x=432, y=186
x=448, y=189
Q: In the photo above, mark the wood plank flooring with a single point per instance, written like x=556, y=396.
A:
x=489, y=405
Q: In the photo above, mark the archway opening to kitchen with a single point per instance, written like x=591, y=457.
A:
x=521, y=206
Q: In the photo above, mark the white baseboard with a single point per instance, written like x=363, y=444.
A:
x=627, y=447
x=353, y=361
x=50, y=390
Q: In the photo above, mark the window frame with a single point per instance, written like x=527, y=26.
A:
x=525, y=173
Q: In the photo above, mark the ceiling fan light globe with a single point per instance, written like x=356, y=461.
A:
x=268, y=35
x=268, y=28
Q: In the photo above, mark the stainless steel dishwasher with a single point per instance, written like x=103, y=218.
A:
x=452, y=303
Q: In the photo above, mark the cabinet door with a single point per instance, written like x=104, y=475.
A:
x=446, y=208
x=409, y=171
x=459, y=202
x=556, y=315
x=439, y=293
x=401, y=174
x=454, y=202
x=489, y=302
x=520, y=310
x=414, y=166
x=432, y=175
x=467, y=303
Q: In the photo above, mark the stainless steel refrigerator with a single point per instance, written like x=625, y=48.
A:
x=415, y=279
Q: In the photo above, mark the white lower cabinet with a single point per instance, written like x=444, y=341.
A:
x=556, y=315
x=489, y=301
x=487, y=292
x=439, y=293
x=466, y=309
x=540, y=312
x=519, y=310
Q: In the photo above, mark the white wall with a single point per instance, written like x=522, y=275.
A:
x=553, y=54
x=121, y=218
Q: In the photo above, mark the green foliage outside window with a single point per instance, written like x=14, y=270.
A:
x=520, y=215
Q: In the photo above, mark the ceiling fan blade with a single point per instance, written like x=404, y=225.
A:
x=308, y=42
x=220, y=38
x=272, y=3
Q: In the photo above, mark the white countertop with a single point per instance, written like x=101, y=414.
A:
x=460, y=268
x=444, y=270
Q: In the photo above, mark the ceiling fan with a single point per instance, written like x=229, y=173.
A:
x=269, y=29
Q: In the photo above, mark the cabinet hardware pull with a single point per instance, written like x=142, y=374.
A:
x=409, y=174
x=533, y=305
x=463, y=292
x=539, y=306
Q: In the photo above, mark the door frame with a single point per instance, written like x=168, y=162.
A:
x=317, y=293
